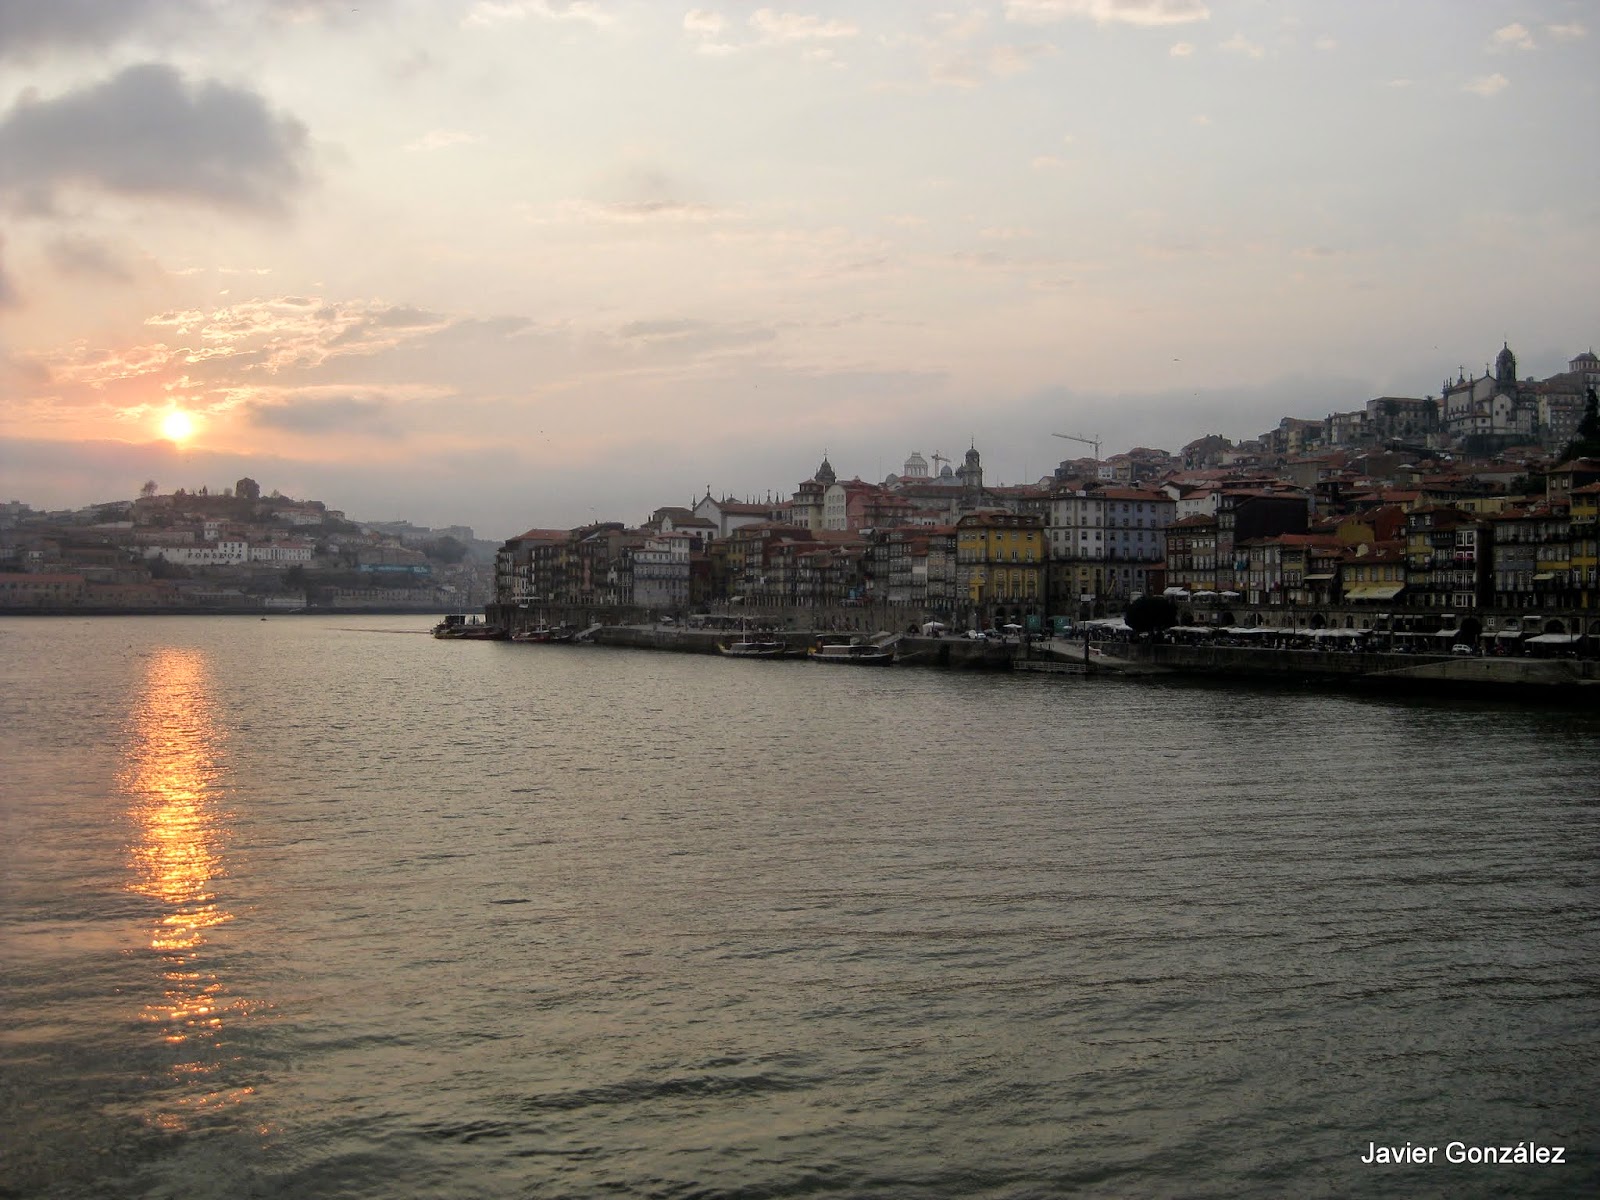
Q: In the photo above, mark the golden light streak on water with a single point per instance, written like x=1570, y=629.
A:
x=173, y=780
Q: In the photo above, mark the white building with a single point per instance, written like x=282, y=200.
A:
x=285, y=552
x=221, y=553
x=661, y=571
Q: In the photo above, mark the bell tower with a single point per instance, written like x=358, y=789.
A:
x=1505, y=368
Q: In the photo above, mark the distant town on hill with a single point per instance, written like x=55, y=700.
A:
x=232, y=549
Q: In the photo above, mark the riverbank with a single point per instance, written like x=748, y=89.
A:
x=1381, y=671
x=1424, y=672
x=212, y=610
x=954, y=653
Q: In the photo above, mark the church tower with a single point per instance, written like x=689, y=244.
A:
x=1505, y=369
x=971, y=476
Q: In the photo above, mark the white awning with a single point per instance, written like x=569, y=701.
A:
x=1555, y=639
x=1374, y=591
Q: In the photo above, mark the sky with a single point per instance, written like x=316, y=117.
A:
x=515, y=263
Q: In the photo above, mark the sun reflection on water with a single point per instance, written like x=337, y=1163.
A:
x=173, y=779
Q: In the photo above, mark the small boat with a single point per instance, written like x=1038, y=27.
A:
x=459, y=626
x=772, y=648
x=860, y=654
x=539, y=633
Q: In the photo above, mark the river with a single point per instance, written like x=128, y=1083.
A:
x=323, y=907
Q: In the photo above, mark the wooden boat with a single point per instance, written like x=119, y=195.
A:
x=860, y=654
x=744, y=648
x=459, y=626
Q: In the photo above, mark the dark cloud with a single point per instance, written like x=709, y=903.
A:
x=146, y=132
x=34, y=29
x=365, y=414
x=683, y=336
x=9, y=297
x=89, y=258
x=403, y=316
x=29, y=28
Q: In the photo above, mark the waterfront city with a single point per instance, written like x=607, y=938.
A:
x=1469, y=517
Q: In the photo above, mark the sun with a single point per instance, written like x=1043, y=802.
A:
x=177, y=426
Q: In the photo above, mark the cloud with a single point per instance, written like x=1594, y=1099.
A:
x=365, y=411
x=1326, y=43
x=970, y=69
x=9, y=296
x=146, y=132
x=799, y=27
x=1488, y=85
x=1569, y=32
x=1511, y=37
x=292, y=332
x=1106, y=12
x=29, y=28
x=703, y=22
x=1181, y=50
x=498, y=12
x=439, y=139
x=1239, y=44
x=642, y=192
x=692, y=337
x=84, y=256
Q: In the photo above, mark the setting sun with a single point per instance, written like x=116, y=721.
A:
x=177, y=426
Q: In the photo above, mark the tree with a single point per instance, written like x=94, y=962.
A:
x=1151, y=614
x=446, y=550
x=1587, y=442
x=149, y=489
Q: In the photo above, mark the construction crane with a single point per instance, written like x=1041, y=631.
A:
x=937, y=459
x=1094, y=441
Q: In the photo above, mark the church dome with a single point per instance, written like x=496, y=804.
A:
x=825, y=472
x=1505, y=365
x=916, y=466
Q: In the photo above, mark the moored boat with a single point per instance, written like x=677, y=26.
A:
x=459, y=626
x=744, y=648
x=860, y=654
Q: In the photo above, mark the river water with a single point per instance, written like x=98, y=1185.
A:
x=317, y=907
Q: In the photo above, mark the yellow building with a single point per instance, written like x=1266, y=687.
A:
x=1000, y=565
x=1585, y=569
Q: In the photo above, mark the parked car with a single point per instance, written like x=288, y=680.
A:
x=1462, y=648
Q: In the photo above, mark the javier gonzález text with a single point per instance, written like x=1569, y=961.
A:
x=1518, y=1154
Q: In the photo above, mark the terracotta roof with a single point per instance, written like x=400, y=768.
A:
x=541, y=535
x=744, y=510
